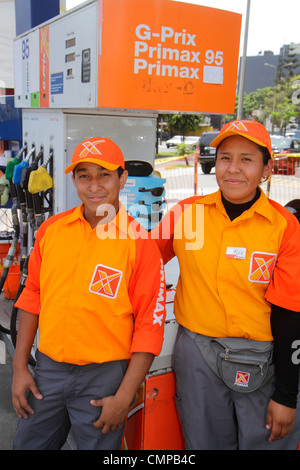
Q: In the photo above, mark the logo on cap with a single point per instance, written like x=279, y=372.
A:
x=105, y=281
x=90, y=147
x=237, y=125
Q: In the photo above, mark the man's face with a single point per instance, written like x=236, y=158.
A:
x=95, y=186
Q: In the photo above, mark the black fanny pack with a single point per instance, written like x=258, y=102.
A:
x=243, y=364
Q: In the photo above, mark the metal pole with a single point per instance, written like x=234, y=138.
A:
x=243, y=65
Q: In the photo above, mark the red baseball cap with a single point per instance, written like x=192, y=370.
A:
x=99, y=150
x=251, y=130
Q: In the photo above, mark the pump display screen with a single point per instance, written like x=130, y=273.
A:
x=70, y=42
x=70, y=57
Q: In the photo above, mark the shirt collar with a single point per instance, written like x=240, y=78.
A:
x=120, y=221
x=76, y=214
x=261, y=206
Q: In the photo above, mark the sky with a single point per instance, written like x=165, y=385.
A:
x=272, y=23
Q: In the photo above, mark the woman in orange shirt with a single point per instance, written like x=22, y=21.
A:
x=239, y=282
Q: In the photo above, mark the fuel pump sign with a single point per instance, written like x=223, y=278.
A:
x=56, y=64
x=157, y=55
x=166, y=55
x=26, y=56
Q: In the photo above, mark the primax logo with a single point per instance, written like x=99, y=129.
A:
x=161, y=61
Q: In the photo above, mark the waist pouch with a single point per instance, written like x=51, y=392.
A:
x=242, y=364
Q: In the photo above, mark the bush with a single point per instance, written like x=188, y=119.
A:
x=184, y=149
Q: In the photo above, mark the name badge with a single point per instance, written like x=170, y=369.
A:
x=235, y=252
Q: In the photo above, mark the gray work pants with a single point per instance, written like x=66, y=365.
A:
x=67, y=390
x=214, y=417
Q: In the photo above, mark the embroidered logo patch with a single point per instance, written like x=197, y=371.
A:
x=105, y=281
x=90, y=147
x=242, y=379
x=262, y=266
x=237, y=126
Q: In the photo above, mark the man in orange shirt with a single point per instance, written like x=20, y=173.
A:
x=96, y=291
x=239, y=258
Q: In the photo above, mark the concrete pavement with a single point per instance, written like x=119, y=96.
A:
x=8, y=417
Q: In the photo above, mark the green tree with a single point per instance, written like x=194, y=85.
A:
x=283, y=105
x=280, y=103
x=183, y=123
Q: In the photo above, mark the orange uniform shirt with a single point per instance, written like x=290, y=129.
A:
x=99, y=295
x=230, y=271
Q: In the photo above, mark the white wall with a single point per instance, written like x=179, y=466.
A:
x=7, y=34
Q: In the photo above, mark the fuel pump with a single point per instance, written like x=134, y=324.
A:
x=17, y=179
x=28, y=220
x=11, y=253
x=16, y=225
x=28, y=198
x=39, y=184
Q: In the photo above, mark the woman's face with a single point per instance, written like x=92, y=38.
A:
x=239, y=169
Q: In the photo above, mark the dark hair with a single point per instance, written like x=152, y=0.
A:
x=266, y=154
x=120, y=171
